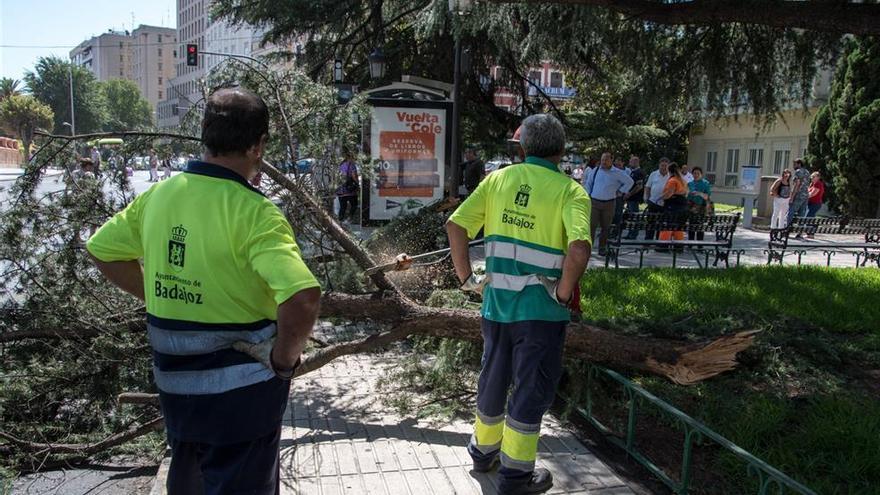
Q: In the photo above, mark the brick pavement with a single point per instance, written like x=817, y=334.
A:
x=339, y=438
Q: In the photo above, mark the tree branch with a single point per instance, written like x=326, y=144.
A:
x=824, y=16
x=99, y=135
x=82, y=449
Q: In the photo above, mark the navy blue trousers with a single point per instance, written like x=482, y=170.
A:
x=234, y=469
x=521, y=367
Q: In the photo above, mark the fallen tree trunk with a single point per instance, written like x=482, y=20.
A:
x=682, y=363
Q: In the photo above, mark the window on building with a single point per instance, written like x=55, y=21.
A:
x=556, y=79
x=781, y=159
x=756, y=156
x=160, y=80
x=535, y=77
x=711, y=165
x=160, y=94
x=160, y=52
x=731, y=172
x=160, y=37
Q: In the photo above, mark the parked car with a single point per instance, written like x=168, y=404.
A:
x=496, y=163
x=303, y=166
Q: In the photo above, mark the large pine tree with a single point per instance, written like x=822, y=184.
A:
x=845, y=138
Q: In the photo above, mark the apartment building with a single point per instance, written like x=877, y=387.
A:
x=154, y=53
x=107, y=56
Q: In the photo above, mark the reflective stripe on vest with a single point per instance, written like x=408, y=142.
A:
x=199, y=346
x=189, y=342
x=514, y=283
x=524, y=254
x=213, y=381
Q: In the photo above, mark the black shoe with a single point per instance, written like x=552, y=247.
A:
x=541, y=481
x=486, y=467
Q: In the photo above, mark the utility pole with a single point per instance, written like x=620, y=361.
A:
x=455, y=158
x=72, y=116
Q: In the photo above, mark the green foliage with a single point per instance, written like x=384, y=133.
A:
x=50, y=83
x=438, y=378
x=127, y=110
x=411, y=233
x=637, y=78
x=845, y=136
x=9, y=87
x=62, y=387
x=21, y=115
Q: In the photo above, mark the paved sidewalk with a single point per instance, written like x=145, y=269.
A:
x=339, y=438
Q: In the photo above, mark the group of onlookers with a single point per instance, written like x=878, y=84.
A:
x=614, y=187
x=797, y=193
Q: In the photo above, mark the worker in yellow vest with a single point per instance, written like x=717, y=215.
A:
x=230, y=303
x=536, y=222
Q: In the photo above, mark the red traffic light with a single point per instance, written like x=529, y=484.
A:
x=192, y=55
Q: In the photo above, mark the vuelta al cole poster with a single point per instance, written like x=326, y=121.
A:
x=409, y=145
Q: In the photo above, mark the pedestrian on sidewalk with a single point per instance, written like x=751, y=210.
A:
x=636, y=193
x=537, y=231
x=605, y=184
x=799, y=193
x=780, y=191
x=154, y=166
x=347, y=193
x=95, y=155
x=699, y=197
x=674, y=203
x=230, y=303
x=166, y=168
x=654, y=193
x=816, y=193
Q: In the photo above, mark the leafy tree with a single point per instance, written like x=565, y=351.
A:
x=9, y=87
x=126, y=108
x=627, y=71
x=845, y=137
x=20, y=115
x=50, y=83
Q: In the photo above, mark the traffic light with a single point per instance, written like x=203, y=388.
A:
x=192, y=55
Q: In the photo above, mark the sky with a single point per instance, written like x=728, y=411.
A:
x=54, y=27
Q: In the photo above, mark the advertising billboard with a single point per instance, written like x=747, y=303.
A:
x=750, y=180
x=409, y=147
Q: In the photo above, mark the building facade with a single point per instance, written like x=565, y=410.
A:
x=547, y=79
x=107, y=56
x=183, y=90
x=154, y=53
x=223, y=37
x=722, y=146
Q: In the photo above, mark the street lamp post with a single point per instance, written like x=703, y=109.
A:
x=456, y=7
x=377, y=64
x=72, y=115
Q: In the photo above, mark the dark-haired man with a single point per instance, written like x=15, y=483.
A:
x=230, y=303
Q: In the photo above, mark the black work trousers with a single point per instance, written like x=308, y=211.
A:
x=240, y=468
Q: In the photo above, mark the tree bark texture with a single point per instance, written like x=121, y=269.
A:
x=682, y=363
x=832, y=16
